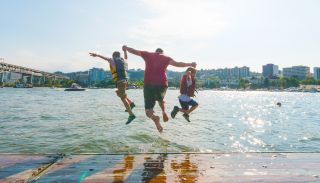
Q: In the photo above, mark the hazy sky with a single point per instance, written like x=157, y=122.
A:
x=53, y=35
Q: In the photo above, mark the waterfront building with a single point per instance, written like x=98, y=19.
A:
x=227, y=73
x=270, y=71
x=135, y=74
x=82, y=77
x=96, y=75
x=299, y=72
x=316, y=73
x=175, y=76
x=244, y=72
x=256, y=80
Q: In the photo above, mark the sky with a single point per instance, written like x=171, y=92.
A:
x=56, y=35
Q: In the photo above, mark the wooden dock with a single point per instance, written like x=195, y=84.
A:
x=186, y=167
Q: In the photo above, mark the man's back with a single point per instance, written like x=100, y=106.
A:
x=156, y=66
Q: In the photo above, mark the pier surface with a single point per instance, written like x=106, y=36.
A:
x=186, y=167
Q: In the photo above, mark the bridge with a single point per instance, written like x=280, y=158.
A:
x=31, y=75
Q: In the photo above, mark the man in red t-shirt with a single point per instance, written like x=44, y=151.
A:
x=155, y=80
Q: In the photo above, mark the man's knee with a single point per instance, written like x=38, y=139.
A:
x=149, y=113
x=162, y=103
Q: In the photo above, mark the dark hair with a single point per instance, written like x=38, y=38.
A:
x=159, y=50
x=191, y=69
x=115, y=54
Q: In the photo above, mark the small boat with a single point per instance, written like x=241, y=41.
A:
x=75, y=87
x=22, y=85
x=19, y=86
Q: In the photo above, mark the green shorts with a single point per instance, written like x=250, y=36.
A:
x=152, y=94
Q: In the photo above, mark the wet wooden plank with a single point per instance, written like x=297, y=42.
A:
x=234, y=167
x=79, y=168
x=20, y=168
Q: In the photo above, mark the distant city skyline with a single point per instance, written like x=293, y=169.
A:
x=265, y=69
x=57, y=35
x=243, y=70
x=235, y=77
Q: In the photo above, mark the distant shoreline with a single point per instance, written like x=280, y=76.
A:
x=290, y=90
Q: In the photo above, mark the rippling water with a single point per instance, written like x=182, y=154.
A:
x=42, y=120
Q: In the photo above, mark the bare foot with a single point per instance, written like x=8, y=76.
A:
x=165, y=117
x=156, y=120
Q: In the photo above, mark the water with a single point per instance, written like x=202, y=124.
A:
x=42, y=120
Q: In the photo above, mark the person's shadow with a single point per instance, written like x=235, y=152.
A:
x=187, y=171
x=119, y=174
x=154, y=169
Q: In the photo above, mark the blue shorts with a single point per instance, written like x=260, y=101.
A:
x=185, y=105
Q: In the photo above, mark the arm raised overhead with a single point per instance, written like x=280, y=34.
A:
x=131, y=50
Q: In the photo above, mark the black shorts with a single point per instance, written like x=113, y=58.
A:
x=152, y=94
x=185, y=105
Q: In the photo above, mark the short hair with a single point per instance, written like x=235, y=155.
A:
x=115, y=54
x=191, y=69
x=159, y=50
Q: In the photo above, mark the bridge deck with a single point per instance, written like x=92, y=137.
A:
x=215, y=167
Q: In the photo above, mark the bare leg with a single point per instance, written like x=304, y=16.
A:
x=191, y=109
x=183, y=110
x=131, y=104
x=129, y=101
x=124, y=98
x=127, y=105
x=156, y=119
x=163, y=108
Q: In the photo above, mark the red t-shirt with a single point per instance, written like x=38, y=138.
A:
x=156, y=66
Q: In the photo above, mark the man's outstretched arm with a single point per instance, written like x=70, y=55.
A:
x=182, y=64
x=131, y=50
x=125, y=54
x=100, y=56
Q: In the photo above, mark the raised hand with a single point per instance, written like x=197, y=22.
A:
x=93, y=54
x=124, y=48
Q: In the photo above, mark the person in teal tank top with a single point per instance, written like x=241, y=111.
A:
x=119, y=70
